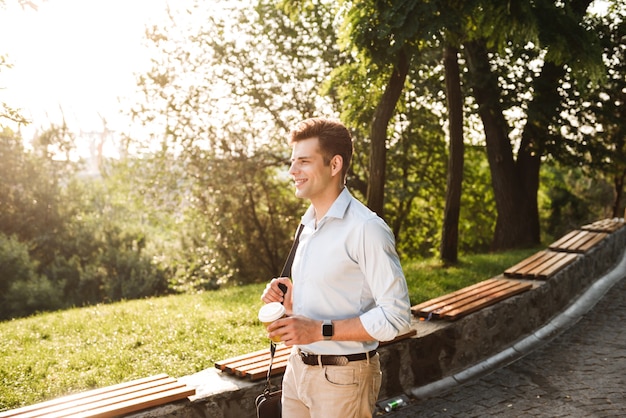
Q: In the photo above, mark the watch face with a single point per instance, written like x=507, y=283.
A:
x=327, y=330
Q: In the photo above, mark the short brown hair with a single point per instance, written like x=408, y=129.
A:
x=334, y=139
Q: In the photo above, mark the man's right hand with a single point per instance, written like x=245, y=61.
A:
x=273, y=293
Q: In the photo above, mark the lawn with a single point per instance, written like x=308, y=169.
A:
x=53, y=354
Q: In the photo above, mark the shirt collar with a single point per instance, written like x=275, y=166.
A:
x=337, y=210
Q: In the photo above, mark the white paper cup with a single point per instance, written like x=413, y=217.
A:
x=269, y=313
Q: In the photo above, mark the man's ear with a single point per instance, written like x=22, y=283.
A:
x=336, y=164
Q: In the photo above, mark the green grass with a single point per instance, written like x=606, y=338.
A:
x=54, y=354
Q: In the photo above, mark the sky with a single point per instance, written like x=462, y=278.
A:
x=73, y=58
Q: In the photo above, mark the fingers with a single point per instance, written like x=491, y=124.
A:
x=276, y=330
x=276, y=290
x=293, y=330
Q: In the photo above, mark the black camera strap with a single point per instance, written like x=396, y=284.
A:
x=286, y=272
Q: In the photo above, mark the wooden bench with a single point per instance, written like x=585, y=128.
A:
x=469, y=299
x=111, y=401
x=578, y=241
x=542, y=265
x=604, y=225
x=254, y=365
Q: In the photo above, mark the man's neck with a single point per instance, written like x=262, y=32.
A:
x=322, y=206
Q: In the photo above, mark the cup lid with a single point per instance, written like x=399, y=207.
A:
x=271, y=312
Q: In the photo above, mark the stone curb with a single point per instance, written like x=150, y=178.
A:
x=543, y=335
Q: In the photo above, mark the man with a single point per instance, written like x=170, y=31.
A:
x=348, y=290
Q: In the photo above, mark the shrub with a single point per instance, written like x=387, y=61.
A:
x=22, y=291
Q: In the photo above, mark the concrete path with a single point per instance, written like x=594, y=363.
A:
x=580, y=373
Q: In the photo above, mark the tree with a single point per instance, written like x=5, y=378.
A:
x=226, y=105
x=378, y=133
x=385, y=38
x=450, y=231
x=515, y=182
x=595, y=110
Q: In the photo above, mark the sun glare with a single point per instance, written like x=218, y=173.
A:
x=73, y=58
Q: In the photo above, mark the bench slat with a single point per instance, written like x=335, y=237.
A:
x=459, y=305
x=486, y=301
x=531, y=264
x=88, y=399
x=598, y=236
x=547, y=262
x=139, y=398
x=578, y=241
x=541, y=265
x=564, y=239
x=137, y=404
x=524, y=264
x=464, y=296
x=230, y=364
x=465, y=304
x=109, y=401
x=469, y=299
x=244, y=369
x=225, y=364
x=604, y=225
x=261, y=372
x=557, y=263
x=429, y=302
x=23, y=411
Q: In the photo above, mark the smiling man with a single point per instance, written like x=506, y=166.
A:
x=347, y=290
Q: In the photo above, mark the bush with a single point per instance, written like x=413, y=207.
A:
x=33, y=295
x=22, y=291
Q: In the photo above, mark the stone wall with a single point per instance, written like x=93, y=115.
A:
x=439, y=349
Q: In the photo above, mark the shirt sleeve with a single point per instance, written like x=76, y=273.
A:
x=381, y=266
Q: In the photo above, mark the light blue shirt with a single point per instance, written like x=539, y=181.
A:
x=346, y=267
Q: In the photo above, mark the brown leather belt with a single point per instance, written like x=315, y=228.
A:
x=329, y=360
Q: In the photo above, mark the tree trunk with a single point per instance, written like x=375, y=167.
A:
x=618, y=181
x=378, y=148
x=450, y=232
x=541, y=111
x=513, y=227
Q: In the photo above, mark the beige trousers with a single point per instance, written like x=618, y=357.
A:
x=348, y=391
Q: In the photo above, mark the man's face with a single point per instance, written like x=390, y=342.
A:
x=311, y=176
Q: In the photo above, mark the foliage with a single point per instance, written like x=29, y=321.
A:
x=28, y=191
x=573, y=199
x=478, y=208
x=223, y=132
x=7, y=112
x=22, y=290
x=593, y=122
x=80, y=249
x=416, y=182
x=247, y=215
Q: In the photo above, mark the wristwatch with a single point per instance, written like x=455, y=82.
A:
x=327, y=329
